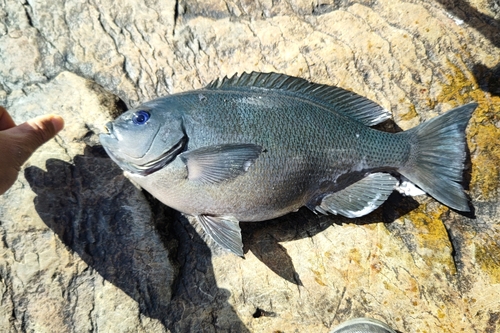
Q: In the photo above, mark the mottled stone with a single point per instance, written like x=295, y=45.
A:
x=73, y=227
x=82, y=249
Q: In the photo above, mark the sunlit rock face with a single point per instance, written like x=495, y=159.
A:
x=83, y=249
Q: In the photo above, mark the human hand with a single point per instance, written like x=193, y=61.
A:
x=17, y=143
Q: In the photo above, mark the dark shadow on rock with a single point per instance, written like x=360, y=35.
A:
x=263, y=238
x=484, y=24
x=488, y=78
x=197, y=304
x=100, y=215
x=467, y=177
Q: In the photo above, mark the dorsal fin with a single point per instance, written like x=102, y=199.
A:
x=340, y=100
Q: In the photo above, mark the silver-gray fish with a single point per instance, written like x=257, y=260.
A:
x=260, y=145
x=363, y=325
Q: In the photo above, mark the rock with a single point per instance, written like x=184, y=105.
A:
x=83, y=249
x=83, y=229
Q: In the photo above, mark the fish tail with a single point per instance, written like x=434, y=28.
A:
x=437, y=156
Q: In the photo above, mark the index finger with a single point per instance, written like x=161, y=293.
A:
x=6, y=121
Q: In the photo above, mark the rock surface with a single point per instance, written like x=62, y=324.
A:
x=82, y=249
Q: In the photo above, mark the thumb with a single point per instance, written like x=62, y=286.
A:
x=35, y=132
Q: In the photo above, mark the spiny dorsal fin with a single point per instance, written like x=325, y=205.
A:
x=338, y=99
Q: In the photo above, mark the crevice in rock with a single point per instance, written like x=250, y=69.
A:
x=322, y=8
x=176, y=15
x=263, y=313
x=29, y=13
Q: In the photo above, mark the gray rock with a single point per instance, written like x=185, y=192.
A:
x=83, y=249
x=84, y=229
x=81, y=229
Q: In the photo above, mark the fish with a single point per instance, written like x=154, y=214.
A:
x=256, y=146
x=363, y=325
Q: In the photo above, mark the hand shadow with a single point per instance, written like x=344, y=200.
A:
x=100, y=215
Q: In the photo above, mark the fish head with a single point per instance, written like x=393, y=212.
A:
x=144, y=140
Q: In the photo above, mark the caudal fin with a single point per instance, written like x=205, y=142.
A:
x=437, y=156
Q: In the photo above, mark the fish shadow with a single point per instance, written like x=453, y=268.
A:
x=263, y=238
x=94, y=210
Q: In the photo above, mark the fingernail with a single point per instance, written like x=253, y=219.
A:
x=58, y=123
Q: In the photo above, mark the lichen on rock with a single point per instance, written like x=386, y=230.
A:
x=83, y=249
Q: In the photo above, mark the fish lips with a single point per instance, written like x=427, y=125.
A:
x=110, y=142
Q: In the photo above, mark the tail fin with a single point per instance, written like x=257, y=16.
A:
x=437, y=156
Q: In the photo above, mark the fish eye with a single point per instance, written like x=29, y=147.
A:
x=140, y=117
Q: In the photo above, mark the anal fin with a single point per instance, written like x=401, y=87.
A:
x=224, y=230
x=360, y=198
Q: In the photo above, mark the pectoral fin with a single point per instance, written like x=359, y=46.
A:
x=224, y=230
x=214, y=164
x=360, y=198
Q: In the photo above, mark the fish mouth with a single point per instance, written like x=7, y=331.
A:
x=149, y=167
x=109, y=130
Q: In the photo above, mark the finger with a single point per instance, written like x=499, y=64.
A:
x=35, y=132
x=9, y=176
x=6, y=121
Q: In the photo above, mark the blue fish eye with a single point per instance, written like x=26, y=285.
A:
x=140, y=117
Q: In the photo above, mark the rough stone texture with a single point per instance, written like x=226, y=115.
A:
x=82, y=249
x=73, y=227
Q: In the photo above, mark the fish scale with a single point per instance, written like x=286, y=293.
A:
x=294, y=133
x=293, y=141
x=258, y=146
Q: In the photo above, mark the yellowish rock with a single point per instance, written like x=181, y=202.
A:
x=414, y=264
